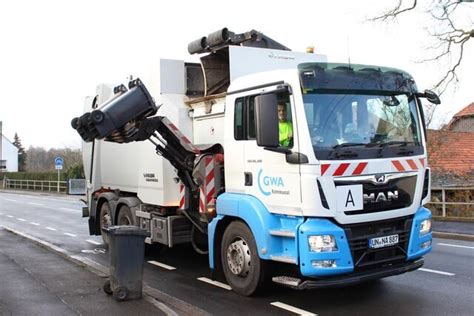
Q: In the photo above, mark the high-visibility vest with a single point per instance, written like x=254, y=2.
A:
x=286, y=133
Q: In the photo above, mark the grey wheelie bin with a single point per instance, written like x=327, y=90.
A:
x=126, y=250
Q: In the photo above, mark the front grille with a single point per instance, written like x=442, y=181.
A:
x=365, y=258
x=379, y=197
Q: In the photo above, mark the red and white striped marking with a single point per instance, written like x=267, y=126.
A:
x=343, y=169
x=409, y=164
x=208, y=189
x=357, y=168
x=182, y=191
x=185, y=142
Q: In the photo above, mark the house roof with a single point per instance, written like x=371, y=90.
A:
x=6, y=139
x=467, y=111
x=451, y=153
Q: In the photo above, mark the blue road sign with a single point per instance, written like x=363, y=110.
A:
x=58, y=163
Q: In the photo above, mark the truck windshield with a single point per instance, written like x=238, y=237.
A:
x=361, y=121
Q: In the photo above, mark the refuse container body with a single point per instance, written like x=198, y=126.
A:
x=126, y=250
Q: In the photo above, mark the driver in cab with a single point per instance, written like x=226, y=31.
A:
x=284, y=126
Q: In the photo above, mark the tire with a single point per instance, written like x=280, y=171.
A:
x=105, y=220
x=243, y=269
x=121, y=294
x=125, y=216
x=107, y=288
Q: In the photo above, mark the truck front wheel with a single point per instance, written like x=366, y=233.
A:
x=243, y=269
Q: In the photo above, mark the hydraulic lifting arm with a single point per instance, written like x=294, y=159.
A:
x=126, y=118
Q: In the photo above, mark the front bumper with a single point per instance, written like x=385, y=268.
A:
x=354, y=278
x=353, y=256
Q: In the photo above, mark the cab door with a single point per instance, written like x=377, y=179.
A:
x=268, y=173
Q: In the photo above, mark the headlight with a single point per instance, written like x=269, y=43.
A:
x=322, y=243
x=425, y=226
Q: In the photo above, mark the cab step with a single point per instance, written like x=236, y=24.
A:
x=284, y=259
x=287, y=281
x=283, y=233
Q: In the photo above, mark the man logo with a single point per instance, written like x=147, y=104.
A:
x=380, y=178
x=380, y=197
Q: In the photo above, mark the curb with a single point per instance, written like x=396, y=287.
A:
x=41, y=193
x=166, y=303
x=455, y=236
x=453, y=219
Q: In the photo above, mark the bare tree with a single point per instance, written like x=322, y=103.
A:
x=450, y=36
x=42, y=160
x=395, y=11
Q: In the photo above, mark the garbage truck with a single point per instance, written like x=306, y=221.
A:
x=278, y=165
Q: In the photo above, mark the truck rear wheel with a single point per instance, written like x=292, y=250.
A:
x=243, y=269
x=105, y=218
x=125, y=216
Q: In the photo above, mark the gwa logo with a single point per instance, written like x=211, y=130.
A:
x=266, y=183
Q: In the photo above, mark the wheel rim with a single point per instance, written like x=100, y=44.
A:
x=238, y=257
x=106, y=220
x=124, y=220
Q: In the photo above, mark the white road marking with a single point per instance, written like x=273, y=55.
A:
x=215, y=283
x=10, y=200
x=37, y=204
x=68, y=209
x=51, y=228
x=70, y=235
x=93, y=242
x=162, y=265
x=21, y=219
x=33, y=223
x=292, y=309
x=457, y=246
x=437, y=272
x=10, y=216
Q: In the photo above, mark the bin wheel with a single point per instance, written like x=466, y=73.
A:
x=97, y=116
x=243, y=269
x=120, y=293
x=107, y=288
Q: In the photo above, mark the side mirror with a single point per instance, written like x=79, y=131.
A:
x=266, y=117
x=432, y=97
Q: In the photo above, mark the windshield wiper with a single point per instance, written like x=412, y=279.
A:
x=348, y=145
x=336, y=152
x=401, y=144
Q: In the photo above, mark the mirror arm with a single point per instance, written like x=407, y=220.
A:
x=291, y=157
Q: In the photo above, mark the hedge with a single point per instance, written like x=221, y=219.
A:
x=48, y=176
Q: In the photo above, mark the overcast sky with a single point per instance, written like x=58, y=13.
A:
x=54, y=53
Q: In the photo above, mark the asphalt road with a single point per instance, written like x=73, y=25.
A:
x=444, y=286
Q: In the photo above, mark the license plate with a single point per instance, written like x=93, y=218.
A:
x=385, y=241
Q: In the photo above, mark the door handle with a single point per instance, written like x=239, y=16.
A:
x=248, y=179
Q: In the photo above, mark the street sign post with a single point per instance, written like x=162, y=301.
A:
x=58, y=164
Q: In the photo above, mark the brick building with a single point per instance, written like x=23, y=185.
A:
x=463, y=121
x=451, y=151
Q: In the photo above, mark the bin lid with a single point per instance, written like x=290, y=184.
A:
x=126, y=230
